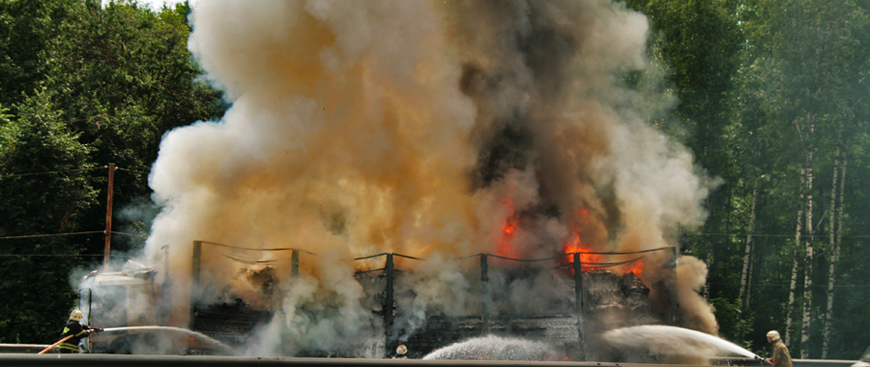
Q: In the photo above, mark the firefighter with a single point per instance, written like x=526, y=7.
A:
x=77, y=330
x=780, y=356
x=400, y=352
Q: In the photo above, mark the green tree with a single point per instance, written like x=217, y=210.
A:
x=765, y=88
x=125, y=77
x=104, y=85
x=701, y=43
x=801, y=93
x=26, y=28
x=34, y=278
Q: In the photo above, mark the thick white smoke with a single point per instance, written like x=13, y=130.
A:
x=415, y=127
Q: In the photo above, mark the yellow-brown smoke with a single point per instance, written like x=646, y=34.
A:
x=361, y=127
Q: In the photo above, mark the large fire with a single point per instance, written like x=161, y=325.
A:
x=628, y=263
x=589, y=258
x=574, y=245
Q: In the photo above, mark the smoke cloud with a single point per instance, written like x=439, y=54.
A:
x=414, y=127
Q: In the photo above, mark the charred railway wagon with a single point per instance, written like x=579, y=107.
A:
x=609, y=301
x=582, y=301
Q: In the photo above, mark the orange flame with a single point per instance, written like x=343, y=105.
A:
x=574, y=245
x=503, y=246
x=634, y=267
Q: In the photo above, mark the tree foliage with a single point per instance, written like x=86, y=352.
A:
x=753, y=77
x=84, y=85
x=26, y=28
x=38, y=141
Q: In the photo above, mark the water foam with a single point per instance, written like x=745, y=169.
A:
x=495, y=348
x=223, y=348
x=671, y=340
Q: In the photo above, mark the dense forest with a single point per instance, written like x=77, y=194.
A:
x=774, y=101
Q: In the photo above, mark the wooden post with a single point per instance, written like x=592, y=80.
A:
x=294, y=263
x=90, y=315
x=90, y=303
x=195, y=278
x=164, y=308
x=673, y=300
x=109, y=215
x=485, y=299
x=389, y=336
x=578, y=294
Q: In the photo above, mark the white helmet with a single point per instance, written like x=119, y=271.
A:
x=773, y=335
x=76, y=315
x=402, y=349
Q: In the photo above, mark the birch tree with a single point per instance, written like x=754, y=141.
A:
x=746, y=274
x=806, y=319
x=792, y=287
x=834, y=236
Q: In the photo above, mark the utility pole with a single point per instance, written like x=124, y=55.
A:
x=109, y=215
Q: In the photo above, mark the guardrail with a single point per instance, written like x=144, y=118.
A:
x=795, y=362
x=106, y=360
x=22, y=348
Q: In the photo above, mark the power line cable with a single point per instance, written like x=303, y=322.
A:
x=70, y=170
x=775, y=235
x=61, y=255
x=49, y=235
x=814, y=286
x=51, y=172
x=70, y=234
x=140, y=235
x=131, y=170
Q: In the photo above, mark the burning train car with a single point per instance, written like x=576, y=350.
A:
x=581, y=300
x=584, y=297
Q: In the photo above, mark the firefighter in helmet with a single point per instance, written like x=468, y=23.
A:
x=401, y=350
x=77, y=330
x=780, y=356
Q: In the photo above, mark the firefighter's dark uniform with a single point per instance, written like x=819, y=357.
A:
x=780, y=356
x=78, y=331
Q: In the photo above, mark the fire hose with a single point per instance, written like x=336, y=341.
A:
x=96, y=329
x=56, y=344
